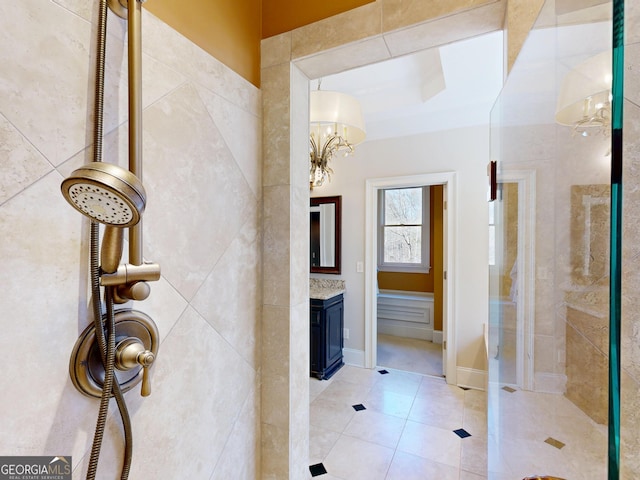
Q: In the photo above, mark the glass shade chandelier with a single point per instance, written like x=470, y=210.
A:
x=336, y=125
x=584, y=101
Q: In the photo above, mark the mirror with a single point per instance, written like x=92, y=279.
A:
x=325, y=234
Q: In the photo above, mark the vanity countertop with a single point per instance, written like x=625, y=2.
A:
x=324, y=289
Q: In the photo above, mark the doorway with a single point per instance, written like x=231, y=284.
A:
x=409, y=318
x=373, y=186
x=512, y=268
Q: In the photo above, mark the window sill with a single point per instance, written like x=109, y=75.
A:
x=401, y=269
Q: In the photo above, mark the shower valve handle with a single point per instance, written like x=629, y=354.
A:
x=131, y=353
x=146, y=361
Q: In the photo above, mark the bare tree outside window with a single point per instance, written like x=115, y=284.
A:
x=402, y=228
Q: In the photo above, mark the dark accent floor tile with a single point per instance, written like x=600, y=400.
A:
x=462, y=433
x=317, y=470
x=554, y=443
x=509, y=389
x=359, y=407
x=383, y=372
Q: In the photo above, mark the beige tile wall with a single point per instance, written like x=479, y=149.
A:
x=203, y=175
x=630, y=333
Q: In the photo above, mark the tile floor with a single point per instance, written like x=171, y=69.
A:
x=406, y=431
x=410, y=354
x=541, y=433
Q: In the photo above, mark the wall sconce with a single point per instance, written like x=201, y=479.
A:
x=584, y=101
x=336, y=124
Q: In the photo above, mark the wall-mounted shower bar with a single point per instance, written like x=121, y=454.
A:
x=134, y=14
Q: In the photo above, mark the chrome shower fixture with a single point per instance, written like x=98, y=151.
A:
x=106, y=193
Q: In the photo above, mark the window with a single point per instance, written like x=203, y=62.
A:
x=404, y=230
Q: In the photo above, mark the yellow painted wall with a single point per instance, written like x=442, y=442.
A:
x=437, y=206
x=229, y=30
x=409, y=282
x=279, y=16
x=424, y=282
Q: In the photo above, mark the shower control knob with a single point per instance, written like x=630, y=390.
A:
x=132, y=291
x=131, y=353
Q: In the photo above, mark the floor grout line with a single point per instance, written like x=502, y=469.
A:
x=397, y=388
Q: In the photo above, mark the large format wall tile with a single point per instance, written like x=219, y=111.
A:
x=446, y=29
x=629, y=426
x=347, y=27
x=20, y=163
x=81, y=7
x=402, y=13
x=242, y=134
x=198, y=65
x=52, y=67
x=202, y=175
x=241, y=457
x=630, y=334
x=182, y=428
x=587, y=388
x=41, y=314
x=194, y=181
x=230, y=297
x=366, y=52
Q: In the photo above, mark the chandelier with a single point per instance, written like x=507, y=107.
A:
x=584, y=101
x=336, y=125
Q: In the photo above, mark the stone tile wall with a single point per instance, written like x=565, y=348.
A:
x=203, y=176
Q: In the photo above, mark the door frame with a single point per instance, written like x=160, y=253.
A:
x=448, y=179
x=525, y=306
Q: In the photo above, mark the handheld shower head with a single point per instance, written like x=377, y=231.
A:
x=106, y=193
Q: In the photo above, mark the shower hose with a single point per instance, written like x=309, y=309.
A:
x=106, y=341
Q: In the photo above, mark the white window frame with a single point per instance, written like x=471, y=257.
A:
x=422, y=267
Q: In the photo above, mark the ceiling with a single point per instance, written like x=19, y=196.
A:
x=448, y=87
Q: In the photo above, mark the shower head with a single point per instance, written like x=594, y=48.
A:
x=106, y=193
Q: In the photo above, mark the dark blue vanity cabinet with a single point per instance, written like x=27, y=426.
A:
x=327, y=323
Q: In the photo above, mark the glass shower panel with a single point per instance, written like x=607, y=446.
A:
x=549, y=281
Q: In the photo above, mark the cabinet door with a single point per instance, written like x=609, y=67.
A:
x=334, y=320
x=316, y=351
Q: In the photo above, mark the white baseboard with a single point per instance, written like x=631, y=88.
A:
x=437, y=337
x=353, y=357
x=471, y=378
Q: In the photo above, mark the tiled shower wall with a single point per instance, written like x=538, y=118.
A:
x=202, y=173
x=630, y=333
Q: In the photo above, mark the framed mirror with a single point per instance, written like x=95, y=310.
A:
x=325, y=234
